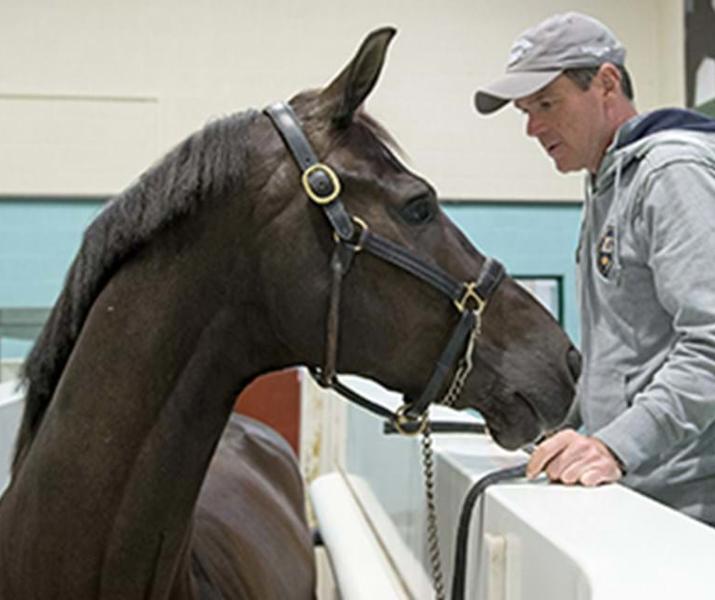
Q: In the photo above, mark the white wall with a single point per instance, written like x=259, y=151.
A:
x=92, y=92
x=10, y=416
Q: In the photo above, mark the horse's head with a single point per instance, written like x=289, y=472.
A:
x=393, y=325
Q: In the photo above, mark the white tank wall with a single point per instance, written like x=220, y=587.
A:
x=92, y=92
x=528, y=540
x=10, y=415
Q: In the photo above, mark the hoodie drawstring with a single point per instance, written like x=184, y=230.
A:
x=618, y=212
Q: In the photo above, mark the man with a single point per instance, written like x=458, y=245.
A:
x=645, y=407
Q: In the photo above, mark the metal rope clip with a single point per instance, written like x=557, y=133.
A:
x=401, y=420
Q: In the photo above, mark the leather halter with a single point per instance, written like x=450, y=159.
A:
x=352, y=235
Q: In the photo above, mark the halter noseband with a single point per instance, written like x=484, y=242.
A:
x=352, y=235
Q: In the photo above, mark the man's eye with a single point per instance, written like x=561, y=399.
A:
x=545, y=105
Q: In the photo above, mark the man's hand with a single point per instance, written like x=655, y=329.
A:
x=570, y=458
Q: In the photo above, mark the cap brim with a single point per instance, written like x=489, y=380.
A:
x=512, y=86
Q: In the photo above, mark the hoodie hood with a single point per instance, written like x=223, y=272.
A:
x=660, y=120
x=633, y=141
x=636, y=136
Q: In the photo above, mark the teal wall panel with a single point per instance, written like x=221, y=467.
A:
x=39, y=237
x=530, y=239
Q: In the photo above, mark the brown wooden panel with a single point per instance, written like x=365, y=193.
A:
x=274, y=399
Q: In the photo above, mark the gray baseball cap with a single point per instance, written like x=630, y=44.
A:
x=540, y=55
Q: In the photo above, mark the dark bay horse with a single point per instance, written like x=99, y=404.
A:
x=209, y=271
x=250, y=536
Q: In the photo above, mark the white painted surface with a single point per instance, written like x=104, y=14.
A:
x=567, y=543
x=10, y=414
x=360, y=567
x=10, y=369
x=528, y=541
x=92, y=92
x=322, y=429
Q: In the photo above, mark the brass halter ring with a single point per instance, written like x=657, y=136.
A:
x=470, y=293
x=401, y=420
x=322, y=200
x=360, y=223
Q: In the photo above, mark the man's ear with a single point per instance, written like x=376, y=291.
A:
x=610, y=78
x=350, y=88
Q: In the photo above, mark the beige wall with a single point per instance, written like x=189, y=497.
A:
x=92, y=92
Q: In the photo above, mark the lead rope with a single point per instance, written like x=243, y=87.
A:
x=450, y=397
x=435, y=558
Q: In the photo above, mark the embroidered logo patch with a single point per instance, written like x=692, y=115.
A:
x=604, y=254
x=518, y=50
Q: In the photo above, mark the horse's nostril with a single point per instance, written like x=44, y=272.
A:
x=573, y=360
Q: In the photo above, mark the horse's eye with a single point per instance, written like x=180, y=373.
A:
x=418, y=211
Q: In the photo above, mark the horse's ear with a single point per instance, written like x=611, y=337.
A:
x=350, y=88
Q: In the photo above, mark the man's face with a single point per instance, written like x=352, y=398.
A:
x=569, y=123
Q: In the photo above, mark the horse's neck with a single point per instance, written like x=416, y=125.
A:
x=110, y=482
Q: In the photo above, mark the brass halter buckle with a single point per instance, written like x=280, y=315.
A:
x=401, y=420
x=470, y=293
x=322, y=200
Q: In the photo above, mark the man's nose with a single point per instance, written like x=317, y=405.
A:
x=534, y=126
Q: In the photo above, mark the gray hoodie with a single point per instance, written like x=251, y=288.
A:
x=646, y=273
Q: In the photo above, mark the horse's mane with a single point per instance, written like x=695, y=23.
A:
x=199, y=169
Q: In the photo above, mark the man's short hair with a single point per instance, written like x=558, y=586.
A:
x=583, y=76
